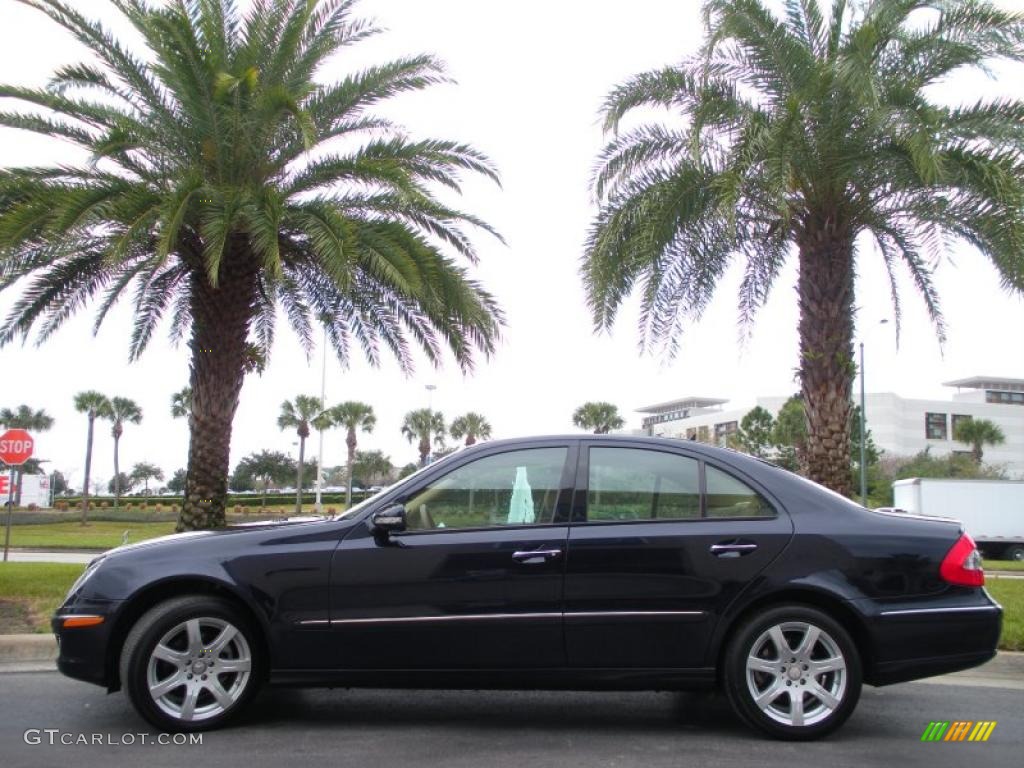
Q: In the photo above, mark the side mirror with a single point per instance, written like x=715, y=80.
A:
x=389, y=520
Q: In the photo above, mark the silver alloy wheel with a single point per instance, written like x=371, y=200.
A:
x=199, y=669
x=796, y=673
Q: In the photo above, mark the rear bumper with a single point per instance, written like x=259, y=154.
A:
x=912, y=641
x=915, y=669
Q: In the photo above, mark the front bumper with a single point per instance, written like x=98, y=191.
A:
x=84, y=651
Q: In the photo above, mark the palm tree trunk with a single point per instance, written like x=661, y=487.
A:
x=117, y=475
x=825, y=288
x=88, y=469
x=220, y=327
x=424, y=450
x=470, y=439
x=350, y=443
x=298, y=479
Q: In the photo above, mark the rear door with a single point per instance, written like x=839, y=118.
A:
x=661, y=542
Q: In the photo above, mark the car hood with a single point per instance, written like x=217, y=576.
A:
x=234, y=530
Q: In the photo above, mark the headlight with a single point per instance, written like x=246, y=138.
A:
x=89, y=571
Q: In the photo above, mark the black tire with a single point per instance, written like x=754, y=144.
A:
x=776, y=716
x=1014, y=552
x=212, y=615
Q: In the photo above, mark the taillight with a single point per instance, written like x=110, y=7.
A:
x=962, y=564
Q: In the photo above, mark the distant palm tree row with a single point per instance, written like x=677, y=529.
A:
x=119, y=411
x=304, y=413
x=424, y=425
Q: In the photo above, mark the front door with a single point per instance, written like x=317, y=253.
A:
x=475, y=582
x=661, y=543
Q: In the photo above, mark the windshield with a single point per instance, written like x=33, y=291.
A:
x=355, y=508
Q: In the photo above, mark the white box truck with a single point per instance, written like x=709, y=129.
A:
x=992, y=511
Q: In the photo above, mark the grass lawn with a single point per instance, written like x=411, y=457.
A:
x=1010, y=593
x=36, y=589
x=1004, y=565
x=100, y=534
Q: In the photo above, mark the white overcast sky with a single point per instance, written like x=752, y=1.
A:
x=531, y=76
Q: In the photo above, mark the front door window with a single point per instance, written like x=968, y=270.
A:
x=506, y=489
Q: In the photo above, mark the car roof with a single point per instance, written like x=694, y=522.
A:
x=668, y=442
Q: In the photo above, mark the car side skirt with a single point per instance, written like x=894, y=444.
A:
x=575, y=679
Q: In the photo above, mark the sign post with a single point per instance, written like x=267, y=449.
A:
x=16, y=447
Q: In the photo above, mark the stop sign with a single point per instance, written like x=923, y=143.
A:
x=15, y=447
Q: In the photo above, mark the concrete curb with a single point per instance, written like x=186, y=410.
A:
x=62, y=550
x=26, y=648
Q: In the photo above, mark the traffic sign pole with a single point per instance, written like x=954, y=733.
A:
x=10, y=510
x=16, y=446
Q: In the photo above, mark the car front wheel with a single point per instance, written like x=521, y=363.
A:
x=792, y=672
x=190, y=663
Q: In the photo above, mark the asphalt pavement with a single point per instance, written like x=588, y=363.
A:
x=495, y=729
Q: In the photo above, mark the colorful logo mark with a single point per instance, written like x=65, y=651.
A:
x=958, y=730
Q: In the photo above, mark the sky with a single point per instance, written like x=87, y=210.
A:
x=530, y=78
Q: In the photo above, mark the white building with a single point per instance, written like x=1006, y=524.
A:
x=900, y=426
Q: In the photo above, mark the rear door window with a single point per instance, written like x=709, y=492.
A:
x=640, y=484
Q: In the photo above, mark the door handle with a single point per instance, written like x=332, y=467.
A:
x=732, y=549
x=535, y=556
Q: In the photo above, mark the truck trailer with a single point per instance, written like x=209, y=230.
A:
x=992, y=511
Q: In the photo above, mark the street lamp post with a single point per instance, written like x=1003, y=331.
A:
x=320, y=432
x=863, y=429
x=430, y=410
x=863, y=468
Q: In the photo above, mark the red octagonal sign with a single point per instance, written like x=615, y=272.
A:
x=15, y=447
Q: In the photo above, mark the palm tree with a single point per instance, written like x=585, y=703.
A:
x=978, y=433
x=265, y=467
x=602, y=418
x=92, y=404
x=24, y=417
x=181, y=403
x=299, y=415
x=796, y=135
x=227, y=176
x=424, y=425
x=372, y=467
x=144, y=472
x=120, y=411
x=472, y=426
x=352, y=416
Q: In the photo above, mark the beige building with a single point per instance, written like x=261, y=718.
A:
x=900, y=426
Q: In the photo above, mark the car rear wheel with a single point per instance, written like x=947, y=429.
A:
x=792, y=672
x=190, y=663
